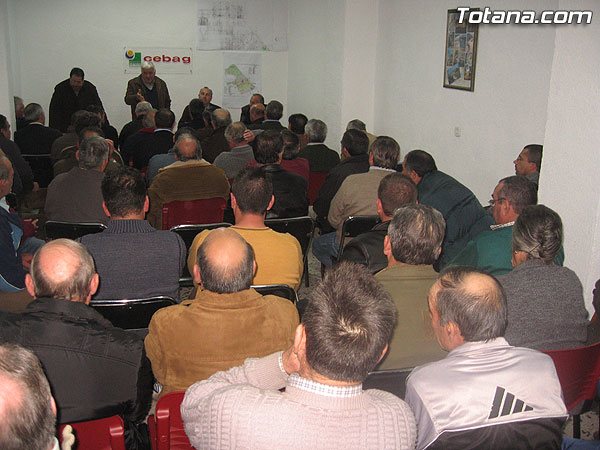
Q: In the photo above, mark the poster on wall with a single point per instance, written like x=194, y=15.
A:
x=242, y=25
x=165, y=59
x=461, y=51
x=241, y=78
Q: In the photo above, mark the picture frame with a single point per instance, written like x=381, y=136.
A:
x=461, y=51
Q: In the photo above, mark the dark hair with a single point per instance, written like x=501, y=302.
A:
x=3, y=122
x=28, y=421
x=396, y=190
x=93, y=129
x=534, y=154
x=349, y=319
x=274, y=110
x=196, y=108
x=124, y=191
x=420, y=162
x=416, y=233
x=261, y=98
x=85, y=119
x=291, y=144
x=356, y=142
x=267, y=147
x=479, y=313
x=538, y=231
x=519, y=191
x=225, y=278
x=252, y=190
x=96, y=109
x=385, y=151
x=297, y=123
x=164, y=118
x=77, y=72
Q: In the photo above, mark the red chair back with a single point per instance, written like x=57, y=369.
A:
x=315, y=181
x=166, y=425
x=208, y=210
x=100, y=434
x=578, y=370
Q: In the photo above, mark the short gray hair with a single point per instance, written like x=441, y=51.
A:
x=235, y=132
x=187, y=137
x=143, y=107
x=4, y=168
x=316, y=130
x=32, y=112
x=149, y=120
x=93, y=151
x=538, y=231
x=28, y=420
x=274, y=110
x=356, y=125
x=386, y=152
x=519, y=191
x=416, y=233
x=221, y=117
x=75, y=287
x=480, y=313
x=148, y=65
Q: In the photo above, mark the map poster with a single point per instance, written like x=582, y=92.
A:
x=241, y=78
x=242, y=25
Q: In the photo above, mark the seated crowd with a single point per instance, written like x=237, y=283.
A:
x=416, y=291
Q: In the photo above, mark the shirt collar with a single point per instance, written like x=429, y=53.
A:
x=381, y=168
x=502, y=225
x=326, y=390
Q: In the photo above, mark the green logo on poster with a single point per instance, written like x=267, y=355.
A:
x=135, y=58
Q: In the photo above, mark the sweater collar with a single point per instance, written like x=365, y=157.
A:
x=129, y=226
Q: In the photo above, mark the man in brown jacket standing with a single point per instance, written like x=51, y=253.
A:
x=147, y=87
x=227, y=322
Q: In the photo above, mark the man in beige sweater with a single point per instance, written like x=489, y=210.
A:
x=344, y=333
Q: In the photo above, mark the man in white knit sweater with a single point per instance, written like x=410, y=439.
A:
x=344, y=332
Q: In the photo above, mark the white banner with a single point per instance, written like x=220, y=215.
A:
x=165, y=59
x=241, y=78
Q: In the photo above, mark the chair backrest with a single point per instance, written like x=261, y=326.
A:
x=188, y=233
x=71, y=230
x=355, y=225
x=578, y=370
x=131, y=314
x=315, y=181
x=209, y=210
x=100, y=434
x=166, y=425
x=280, y=290
x=393, y=381
x=300, y=227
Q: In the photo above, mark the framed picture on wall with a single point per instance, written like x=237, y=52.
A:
x=461, y=50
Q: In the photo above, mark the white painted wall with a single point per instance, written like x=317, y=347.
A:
x=315, y=62
x=6, y=101
x=52, y=37
x=506, y=111
x=571, y=164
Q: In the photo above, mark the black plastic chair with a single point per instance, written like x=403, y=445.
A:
x=301, y=228
x=70, y=230
x=355, y=225
x=188, y=233
x=131, y=314
x=393, y=381
x=280, y=290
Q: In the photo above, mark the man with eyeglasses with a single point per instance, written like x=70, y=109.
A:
x=490, y=250
x=529, y=161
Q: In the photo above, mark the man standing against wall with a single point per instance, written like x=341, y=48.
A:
x=147, y=87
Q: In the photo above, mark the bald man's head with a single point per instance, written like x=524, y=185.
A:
x=471, y=299
x=62, y=269
x=225, y=262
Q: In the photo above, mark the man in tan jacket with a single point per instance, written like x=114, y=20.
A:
x=226, y=323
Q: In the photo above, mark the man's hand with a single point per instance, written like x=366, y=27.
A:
x=249, y=136
x=34, y=223
x=140, y=96
x=291, y=363
x=26, y=261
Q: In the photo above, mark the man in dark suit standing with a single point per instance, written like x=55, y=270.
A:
x=71, y=95
x=36, y=139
